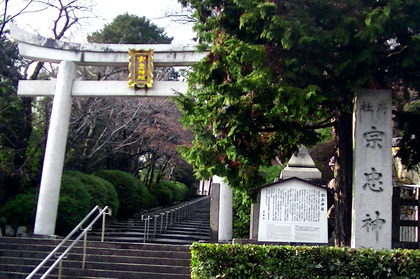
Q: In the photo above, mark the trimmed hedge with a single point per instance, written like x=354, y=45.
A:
x=79, y=193
x=148, y=200
x=163, y=194
x=75, y=202
x=101, y=191
x=20, y=211
x=169, y=192
x=133, y=195
x=179, y=190
x=254, y=261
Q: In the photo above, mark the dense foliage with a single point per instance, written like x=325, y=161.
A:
x=15, y=124
x=250, y=261
x=20, y=210
x=409, y=129
x=179, y=190
x=78, y=196
x=130, y=29
x=101, y=191
x=129, y=191
x=81, y=192
x=163, y=194
x=277, y=70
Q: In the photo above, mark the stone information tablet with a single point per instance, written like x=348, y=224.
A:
x=293, y=211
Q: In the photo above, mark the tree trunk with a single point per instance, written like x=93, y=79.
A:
x=343, y=178
x=152, y=171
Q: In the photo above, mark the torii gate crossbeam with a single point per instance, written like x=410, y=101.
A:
x=69, y=56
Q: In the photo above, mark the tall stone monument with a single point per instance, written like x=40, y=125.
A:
x=372, y=171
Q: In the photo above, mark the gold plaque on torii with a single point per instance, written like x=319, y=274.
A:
x=140, y=68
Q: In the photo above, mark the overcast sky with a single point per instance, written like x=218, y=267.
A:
x=107, y=10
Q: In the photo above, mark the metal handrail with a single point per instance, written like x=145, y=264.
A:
x=102, y=213
x=180, y=211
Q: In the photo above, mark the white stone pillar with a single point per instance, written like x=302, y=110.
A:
x=49, y=191
x=372, y=171
x=225, y=210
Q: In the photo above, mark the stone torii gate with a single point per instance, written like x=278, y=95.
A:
x=69, y=56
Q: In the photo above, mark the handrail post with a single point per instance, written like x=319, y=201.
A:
x=145, y=229
x=103, y=228
x=155, y=224
x=167, y=217
x=60, y=267
x=148, y=226
x=108, y=212
x=161, y=221
x=84, y=251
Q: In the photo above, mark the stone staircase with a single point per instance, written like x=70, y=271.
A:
x=195, y=227
x=19, y=256
x=122, y=255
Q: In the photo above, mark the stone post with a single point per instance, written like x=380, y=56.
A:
x=214, y=212
x=221, y=211
x=372, y=170
x=49, y=191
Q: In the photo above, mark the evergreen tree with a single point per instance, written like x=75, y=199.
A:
x=130, y=29
x=277, y=70
x=15, y=124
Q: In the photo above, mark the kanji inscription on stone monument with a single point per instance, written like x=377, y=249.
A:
x=372, y=173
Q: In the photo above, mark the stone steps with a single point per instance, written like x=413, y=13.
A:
x=19, y=256
x=192, y=228
x=122, y=255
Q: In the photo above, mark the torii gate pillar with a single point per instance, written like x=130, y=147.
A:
x=49, y=192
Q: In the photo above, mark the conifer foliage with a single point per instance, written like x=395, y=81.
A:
x=278, y=70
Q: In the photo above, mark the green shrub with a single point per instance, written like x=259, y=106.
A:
x=241, y=207
x=20, y=211
x=102, y=192
x=253, y=261
x=184, y=191
x=128, y=188
x=163, y=194
x=179, y=190
x=79, y=193
x=74, y=204
x=148, y=200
